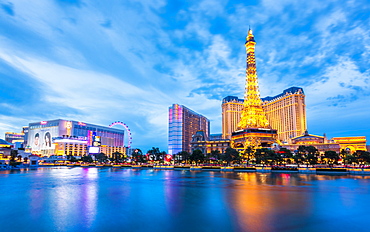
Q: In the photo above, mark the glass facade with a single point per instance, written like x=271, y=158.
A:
x=183, y=123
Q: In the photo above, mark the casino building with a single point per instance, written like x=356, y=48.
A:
x=67, y=137
x=208, y=144
x=17, y=139
x=286, y=112
x=322, y=144
x=183, y=124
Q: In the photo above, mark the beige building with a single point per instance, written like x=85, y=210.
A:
x=208, y=144
x=285, y=112
x=323, y=144
x=353, y=144
x=231, y=112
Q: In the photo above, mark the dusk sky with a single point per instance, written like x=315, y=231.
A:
x=126, y=60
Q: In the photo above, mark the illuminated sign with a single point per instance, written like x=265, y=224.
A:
x=69, y=140
x=68, y=125
x=168, y=158
x=94, y=150
x=43, y=122
x=96, y=141
x=90, y=137
x=81, y=124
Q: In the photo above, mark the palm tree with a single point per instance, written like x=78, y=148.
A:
x=332, y=156
x=182, y=156
x=155, y=152
x=197, y=156
x=231, y=155
x=117, y=157
x=215, y=155
x=101, y=157
x=249, y=153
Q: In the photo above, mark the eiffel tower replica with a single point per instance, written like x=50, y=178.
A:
x=253, y=127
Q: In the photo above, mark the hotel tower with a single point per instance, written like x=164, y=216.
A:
x=183, y=123
x=286, y=112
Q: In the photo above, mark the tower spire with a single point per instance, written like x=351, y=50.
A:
x=253, y=115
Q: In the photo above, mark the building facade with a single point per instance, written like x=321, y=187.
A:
x=67, y=137
x=183, y=123
x=285, y=112
x=213, y=143
x=322, y=144
x=231, y=113
x=17, y=139
x=356, y=143
x=12, y=137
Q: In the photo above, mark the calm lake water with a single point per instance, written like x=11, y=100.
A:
x=107, y=199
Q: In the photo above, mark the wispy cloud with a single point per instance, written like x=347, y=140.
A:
x=130, y=60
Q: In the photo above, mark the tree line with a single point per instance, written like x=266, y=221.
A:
x=303, y=155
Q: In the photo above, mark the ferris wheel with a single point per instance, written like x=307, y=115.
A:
x=128, y=132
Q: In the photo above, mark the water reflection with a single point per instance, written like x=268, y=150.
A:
x=264, y=201
x=93, y=199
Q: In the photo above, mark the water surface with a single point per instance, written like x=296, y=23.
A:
x=107, y=199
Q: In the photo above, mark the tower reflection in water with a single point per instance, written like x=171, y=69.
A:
x=282, y=202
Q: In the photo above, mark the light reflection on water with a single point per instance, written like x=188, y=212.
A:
x=93, y=199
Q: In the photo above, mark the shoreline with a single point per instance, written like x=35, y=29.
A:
x=262, y=169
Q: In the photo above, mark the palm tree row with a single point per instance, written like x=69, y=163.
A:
x=303, y=155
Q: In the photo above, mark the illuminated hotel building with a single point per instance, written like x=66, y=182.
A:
x=12, y=137
x=213, y=143
x=357, y=143
x=65, y=137
x=285, y=112
x=183, y=123
x=231, y=113
x=323, y=144
x=17, y=139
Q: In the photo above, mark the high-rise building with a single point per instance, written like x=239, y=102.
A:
x=286, y=113
x=253, y=128
x=231, y=112
x=183, y=123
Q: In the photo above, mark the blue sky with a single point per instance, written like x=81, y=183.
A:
x=105, y=61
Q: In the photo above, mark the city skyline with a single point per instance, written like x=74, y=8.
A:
x=129, y=62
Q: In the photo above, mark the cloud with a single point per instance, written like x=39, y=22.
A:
x=131, y=60
x=341, y=83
